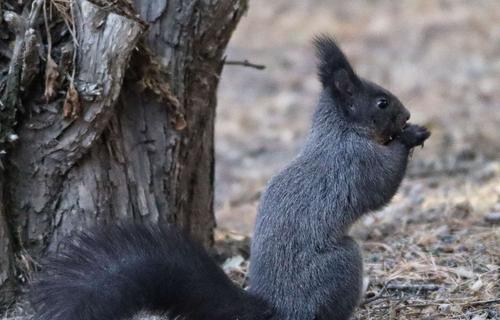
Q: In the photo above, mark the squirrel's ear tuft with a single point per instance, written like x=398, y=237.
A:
x=331, y=61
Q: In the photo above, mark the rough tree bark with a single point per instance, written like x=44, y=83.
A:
x=6, y=267
x=141, y=147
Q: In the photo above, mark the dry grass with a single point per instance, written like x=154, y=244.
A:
x=432, y=255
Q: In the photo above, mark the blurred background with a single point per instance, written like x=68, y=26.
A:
x=441, y=58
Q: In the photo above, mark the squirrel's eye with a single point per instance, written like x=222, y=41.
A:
x=382, y=103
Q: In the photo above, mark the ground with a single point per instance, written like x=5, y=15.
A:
x=434, y=253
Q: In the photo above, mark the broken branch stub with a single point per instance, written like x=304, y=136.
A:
x=99, y=64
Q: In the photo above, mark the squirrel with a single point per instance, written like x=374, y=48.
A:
x=303, y=265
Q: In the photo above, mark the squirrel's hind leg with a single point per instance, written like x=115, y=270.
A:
x=344, y=281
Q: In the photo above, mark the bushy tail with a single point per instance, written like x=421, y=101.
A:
x=114, y=273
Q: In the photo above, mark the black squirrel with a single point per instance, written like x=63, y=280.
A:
x=304, y=266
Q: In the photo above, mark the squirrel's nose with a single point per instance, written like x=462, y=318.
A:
x=404, y=118
x=407, y=115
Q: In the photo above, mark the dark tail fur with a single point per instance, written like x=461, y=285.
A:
x=116, y=272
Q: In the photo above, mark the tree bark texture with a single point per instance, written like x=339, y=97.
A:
x=142, y=146
x=6, y=266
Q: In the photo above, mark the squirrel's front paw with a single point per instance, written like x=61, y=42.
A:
x=414, y=135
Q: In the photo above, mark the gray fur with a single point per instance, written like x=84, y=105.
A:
x=303, y=261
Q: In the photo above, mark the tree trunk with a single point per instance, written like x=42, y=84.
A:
x=137, y=140
x=6, y=267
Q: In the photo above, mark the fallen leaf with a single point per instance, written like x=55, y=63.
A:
x=180, y=122
x=51, y=76
x=72, y=106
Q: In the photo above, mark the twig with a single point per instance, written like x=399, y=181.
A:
x=372, y=244
x=416, y=305
x=413, y=287
x=75, y=42
x=245, y=63
x=374, y=298
x=481, y=302
x=47, y=30
x=377, y=296
x=35, y=11
x=437, y=303
x=62, y=6
x=423, y=304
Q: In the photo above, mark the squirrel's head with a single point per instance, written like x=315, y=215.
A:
x=365, y=104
